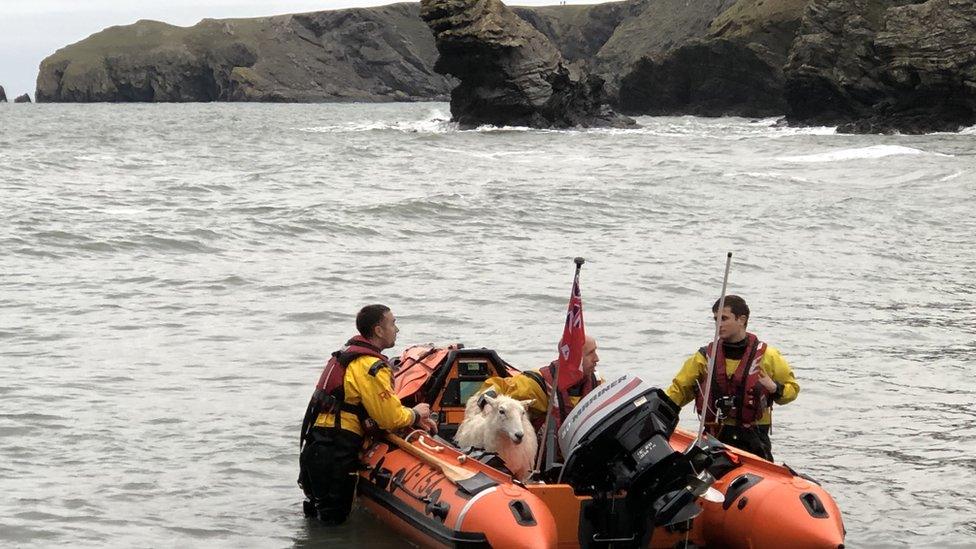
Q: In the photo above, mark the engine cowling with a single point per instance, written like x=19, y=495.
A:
x=616, y=440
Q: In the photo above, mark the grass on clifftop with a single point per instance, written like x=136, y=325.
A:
x=145, y=36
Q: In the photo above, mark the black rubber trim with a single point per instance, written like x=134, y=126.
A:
x=738, y=486
x=435, y=508
x=801, y=475
x=427, y=526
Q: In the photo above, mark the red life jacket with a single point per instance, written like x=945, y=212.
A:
x=334, y=374
x=329, y=394
x=742, y=391
x=580, y=389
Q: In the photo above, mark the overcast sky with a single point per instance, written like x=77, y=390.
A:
x=31, y=30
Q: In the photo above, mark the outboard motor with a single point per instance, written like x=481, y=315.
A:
x=616, y=440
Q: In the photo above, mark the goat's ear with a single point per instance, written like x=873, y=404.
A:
x=526, y=403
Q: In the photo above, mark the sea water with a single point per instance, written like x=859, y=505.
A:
x=172, y=278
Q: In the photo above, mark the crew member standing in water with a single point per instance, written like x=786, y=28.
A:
x=354, y=396
x=749, y=377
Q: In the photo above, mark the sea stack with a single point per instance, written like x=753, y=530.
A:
x=23, y=99
x=510, y=73
x=3, y=95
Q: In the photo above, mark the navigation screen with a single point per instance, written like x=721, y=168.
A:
x=472, y=369
x=469, y=388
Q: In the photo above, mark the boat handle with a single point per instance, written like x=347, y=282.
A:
x=411, y=434
x=435, y=448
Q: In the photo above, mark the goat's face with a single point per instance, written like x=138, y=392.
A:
x=507, y=417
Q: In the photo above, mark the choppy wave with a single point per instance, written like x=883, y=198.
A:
x=860, y=153
x=436, y=122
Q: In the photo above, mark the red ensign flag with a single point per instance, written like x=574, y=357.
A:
x=574, y=335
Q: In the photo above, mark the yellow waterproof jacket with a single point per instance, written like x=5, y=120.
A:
x=369, y=382
x=524, y=387
x=682, y=389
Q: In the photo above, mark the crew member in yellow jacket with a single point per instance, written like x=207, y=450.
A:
x=536, y=384
x=753, y=376
x=364, y=396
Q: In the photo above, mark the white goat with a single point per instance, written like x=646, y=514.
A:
x=503, y=427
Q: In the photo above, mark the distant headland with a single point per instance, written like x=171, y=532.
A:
x=863, y=65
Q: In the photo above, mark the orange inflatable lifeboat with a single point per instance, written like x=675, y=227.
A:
x=766, y=505
x=625, y=481
x=438, y=497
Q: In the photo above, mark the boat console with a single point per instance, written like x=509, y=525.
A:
x=456, y=374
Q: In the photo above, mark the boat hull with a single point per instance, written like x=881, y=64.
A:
x=414, y=496
x=766, y=505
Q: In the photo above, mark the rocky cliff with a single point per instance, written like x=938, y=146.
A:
x=653, y=28
x=377, y=54
x=733, y=68
x=371, y=54
x=578, y=31
x=3, y=95
x=885, y=65
x=867, y=65
x=510, y=73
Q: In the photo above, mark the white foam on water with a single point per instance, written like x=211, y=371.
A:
x=489, y=128
x=477, y=153
x=773, y=127
x=767, y=176
x=860, y=153
x=436, y=122
x=730, y=128
x=809, y=130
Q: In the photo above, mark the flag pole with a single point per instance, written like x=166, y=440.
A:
x=709, y=375
x=547, y=448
